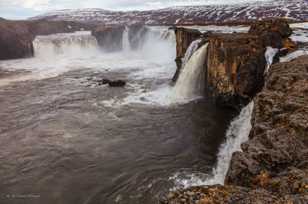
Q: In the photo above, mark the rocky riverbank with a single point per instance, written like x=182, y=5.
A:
x=273, y=167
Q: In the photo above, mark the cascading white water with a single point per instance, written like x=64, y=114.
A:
x=237, y=134
x=293, y=55
x=190, y=51
x=269, y=56
x=167, y=35
x=125, y=40
x=64, y=44
x=191, y=80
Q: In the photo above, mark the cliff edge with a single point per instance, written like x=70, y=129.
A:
x=273, y=166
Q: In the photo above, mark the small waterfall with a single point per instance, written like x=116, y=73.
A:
x=237, y=134
x=190, y=51
x=191, y=80
x=269, y=56
x=64, y=44
x=167, y=35
x=125, y=40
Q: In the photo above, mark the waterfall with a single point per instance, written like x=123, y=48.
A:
x=190, y=51
x=269, y=56
x=125, y=40
x=237, y=134
x=191, y=80
x=167, y=35
x=64, y=44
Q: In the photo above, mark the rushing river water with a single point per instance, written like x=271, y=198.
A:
x=64, y=139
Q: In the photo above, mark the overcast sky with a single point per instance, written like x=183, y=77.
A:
x=19, y=9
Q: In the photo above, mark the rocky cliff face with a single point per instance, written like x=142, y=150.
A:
x=15, y=40
x=236, y=62
x=16, y=36
x=273, y=167
x=235, y=67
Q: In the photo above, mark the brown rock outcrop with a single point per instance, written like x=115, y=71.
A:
x=236, y=62
x=235, y=67
x=273, y=167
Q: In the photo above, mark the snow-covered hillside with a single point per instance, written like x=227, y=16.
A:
x=294, y=9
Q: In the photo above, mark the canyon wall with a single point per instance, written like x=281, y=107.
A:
x=16, y=36
x=273, y=166
x=236, y=62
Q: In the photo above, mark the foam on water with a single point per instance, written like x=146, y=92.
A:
x=293, y=55
x=237, y=134
x=189, y=86
x=190, y=51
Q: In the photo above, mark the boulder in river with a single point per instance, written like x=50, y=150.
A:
x=117, y=83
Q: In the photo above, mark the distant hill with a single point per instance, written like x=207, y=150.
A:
x=292, y=9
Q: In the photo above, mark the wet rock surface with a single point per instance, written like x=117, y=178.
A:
x=273, y=167
x=236, y=62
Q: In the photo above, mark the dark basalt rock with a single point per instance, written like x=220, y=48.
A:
x=117, y=83
x=103, y=82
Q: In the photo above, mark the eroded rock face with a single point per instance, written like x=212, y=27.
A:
x=273, y=167
x=16, y=36
x=15, y=40
x=236, y=62
x=235, y=67
x=278, y=145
